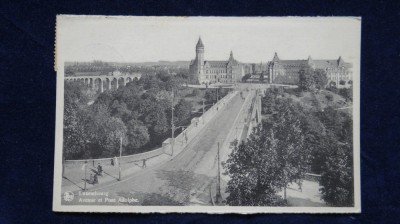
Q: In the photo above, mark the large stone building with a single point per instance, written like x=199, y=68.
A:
x=338, y=72
x=203, y=71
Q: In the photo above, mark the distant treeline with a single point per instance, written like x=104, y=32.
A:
x=104, y=68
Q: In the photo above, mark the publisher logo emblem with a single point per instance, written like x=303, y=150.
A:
x=68, y=196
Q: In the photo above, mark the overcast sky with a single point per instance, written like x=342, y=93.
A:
x=144, y=39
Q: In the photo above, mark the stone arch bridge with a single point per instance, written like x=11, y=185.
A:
x=104, y=82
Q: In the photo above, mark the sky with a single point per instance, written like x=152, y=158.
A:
x=252, y=39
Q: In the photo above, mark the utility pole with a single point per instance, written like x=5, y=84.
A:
x=203, y=106
x=85, y=175
x=120, y=155
x=219, y=197
x=172, y=124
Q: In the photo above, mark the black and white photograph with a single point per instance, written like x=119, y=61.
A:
x=207, y=114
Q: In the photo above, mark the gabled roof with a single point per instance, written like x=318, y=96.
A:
x=330, y=64
x=322, y=64
x=216, y=63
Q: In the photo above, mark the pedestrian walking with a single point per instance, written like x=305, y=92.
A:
x=91, y=179
x=99, y=170
x=112, y=162
x=144, y=164
x=95, y=179
x=300, y=185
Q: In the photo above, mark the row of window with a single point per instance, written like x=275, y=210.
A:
x=215, y=71
x=221, y=76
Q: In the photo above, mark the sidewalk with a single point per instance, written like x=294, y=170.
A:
x=309, y=196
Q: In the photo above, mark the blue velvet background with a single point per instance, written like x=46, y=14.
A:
x=28, y=87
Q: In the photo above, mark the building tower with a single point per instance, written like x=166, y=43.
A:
x=200, y=58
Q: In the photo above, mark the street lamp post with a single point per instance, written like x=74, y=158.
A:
x=219, y=197
x=172, y=124
x=119, y=162
x=85, y=175
x=203, y=106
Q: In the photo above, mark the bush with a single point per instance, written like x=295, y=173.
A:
x=245, y=77
x=347, y=93
x=195, y=92
x=329, y=97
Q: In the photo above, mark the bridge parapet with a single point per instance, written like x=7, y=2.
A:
x=105, y=82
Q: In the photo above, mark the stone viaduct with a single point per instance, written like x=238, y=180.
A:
x=104, y=82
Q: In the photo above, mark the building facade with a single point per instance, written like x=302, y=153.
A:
x=203, y=71
x=338, y=72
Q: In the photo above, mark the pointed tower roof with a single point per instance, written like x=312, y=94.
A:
x=276, y=58
x=340, y=60
x=199, y=43
x=231, y=56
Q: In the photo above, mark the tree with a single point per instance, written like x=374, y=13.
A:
x=113, y=130
x=157, y=122
x=292, y=157
x=74, y=141
x=306, y=79
x=196, y=92
x=337, y=175
x=121, y=111
x=173, y=83
x=210, y=95
x=347, y=93
x=103, y=132
x=314, y=132
x=320, y=78
x=268, y=102
x=150, y=82
x=246, y=77
x=130, y=95
x=329, y=97
x=272, y=157
x=183, y=110
x=77, y=92
x=137, y=134
x=105, y=98
x=254, y=171
x=333, y=120
x=311, y=79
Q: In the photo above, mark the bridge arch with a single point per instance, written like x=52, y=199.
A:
x=114, y=83
x=106, y=84
x=98, y=84
x=91, y=83
x=121, y=82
